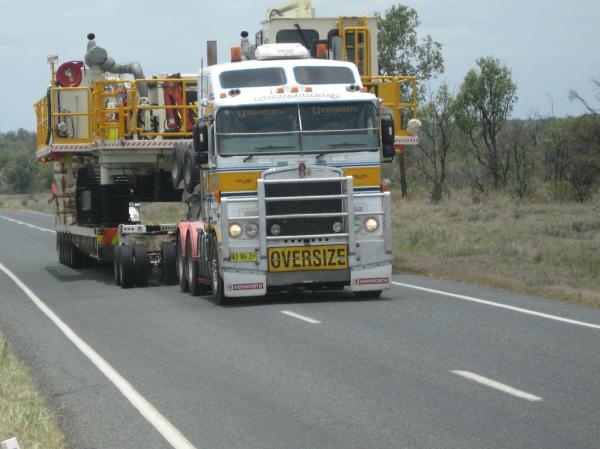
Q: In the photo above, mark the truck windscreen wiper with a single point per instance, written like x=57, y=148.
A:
x=274, y=147
x=346, y=145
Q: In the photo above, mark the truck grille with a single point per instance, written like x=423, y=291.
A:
x=304, y=225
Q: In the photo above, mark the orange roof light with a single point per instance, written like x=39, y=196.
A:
x=308, y=89
x=236, y=54
x=364, y=89
x=223, y=95
x=322, y=51
x=280, y=90
x=294, y=89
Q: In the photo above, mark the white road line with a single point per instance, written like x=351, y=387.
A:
x=300, y=317
x=497, y=385
x=147, y=410
x=501, y=306
x=35, y=212
x=28, y=224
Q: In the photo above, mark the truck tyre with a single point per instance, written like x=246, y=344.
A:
x=59, y=247
x=75, y=256
x=116, y=268
x=190, y=177
x=142, y=265
x=180, y=264
x=127, y=266
x=169, y=271
x=177, y=165
x=218, y=292
x=196, y=288
x=372, y=294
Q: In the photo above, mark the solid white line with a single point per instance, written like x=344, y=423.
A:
x=28, y=224
x=35, y=212
x=147, y=410
x=501, y=306
x=497, y=385
x=300, y=317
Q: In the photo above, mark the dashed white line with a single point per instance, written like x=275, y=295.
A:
x=300, y=317
x=499, y=305
x=497, y=385
x=173, y=436
x=29, y=225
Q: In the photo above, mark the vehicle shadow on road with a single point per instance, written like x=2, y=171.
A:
x=301, y=297
x=98, y=273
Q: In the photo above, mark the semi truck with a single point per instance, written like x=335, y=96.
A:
x=276, y=154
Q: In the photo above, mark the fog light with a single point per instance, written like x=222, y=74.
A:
x=337, y=227
x=251, y=229
x=235, y=230
x=275, y=229
x=371, y=224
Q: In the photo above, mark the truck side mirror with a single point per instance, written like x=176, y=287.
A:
x=388, y=153
x=202, y=158
x=200, y=138
x=388, y=134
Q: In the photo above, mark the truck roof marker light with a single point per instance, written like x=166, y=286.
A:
x=236, y=54
x=364, y=89
x=308, y=89
x=217, y=196
x=223, y=95
x=322, y=51
x=294, y=89
x=280, y=90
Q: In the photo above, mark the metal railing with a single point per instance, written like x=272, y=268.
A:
x=399, y=93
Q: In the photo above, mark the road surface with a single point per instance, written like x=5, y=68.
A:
x=431, y=364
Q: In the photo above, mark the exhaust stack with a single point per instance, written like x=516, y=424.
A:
x=98, y=56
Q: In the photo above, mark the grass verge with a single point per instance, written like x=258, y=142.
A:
x=547, y=249
x=23, y=413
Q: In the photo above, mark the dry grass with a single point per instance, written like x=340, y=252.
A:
x=34, y=201
x=551, y=249
x=23, y=413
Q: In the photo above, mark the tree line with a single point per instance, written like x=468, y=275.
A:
x=468, y=139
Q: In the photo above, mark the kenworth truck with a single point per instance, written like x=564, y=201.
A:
x=277, y=156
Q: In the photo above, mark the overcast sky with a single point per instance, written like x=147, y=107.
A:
x=551, y=46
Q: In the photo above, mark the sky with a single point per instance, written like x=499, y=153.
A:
x=550, y=46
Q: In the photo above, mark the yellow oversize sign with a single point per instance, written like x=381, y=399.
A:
x=301, y=258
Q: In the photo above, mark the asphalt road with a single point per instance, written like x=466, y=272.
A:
x=414, y=369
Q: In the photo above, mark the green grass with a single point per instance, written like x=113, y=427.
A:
x=23, y=413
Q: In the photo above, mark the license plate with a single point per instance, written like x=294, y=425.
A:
x=243, y=257
x=303, y=258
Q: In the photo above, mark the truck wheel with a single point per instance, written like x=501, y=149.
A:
x=190, y=178
x=75, y=256
x=218, y=293
x=169, y=270
x=196, y=288
x=142, y=265
x=176, y=165
x=126, y=266
x=373, y=294
x=180, y=264
x=116, y=268
x=59, y=247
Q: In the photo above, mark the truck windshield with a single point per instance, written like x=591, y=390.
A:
x=307, y=128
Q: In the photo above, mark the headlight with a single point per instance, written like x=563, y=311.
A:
x=337, y=226
x=235, y=230
x=251, y=229
x=275, y=229
x=371, y=224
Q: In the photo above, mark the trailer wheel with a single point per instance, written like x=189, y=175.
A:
x=76, y=257
x=218, y=293
x=142, y=265
x=196, y=288
x=372, y=294
x=180, y=264
x=116, y=268
x=190, y=178
x=169, y=270
x=126, y=266
x=177, y=165
x=59, y=247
